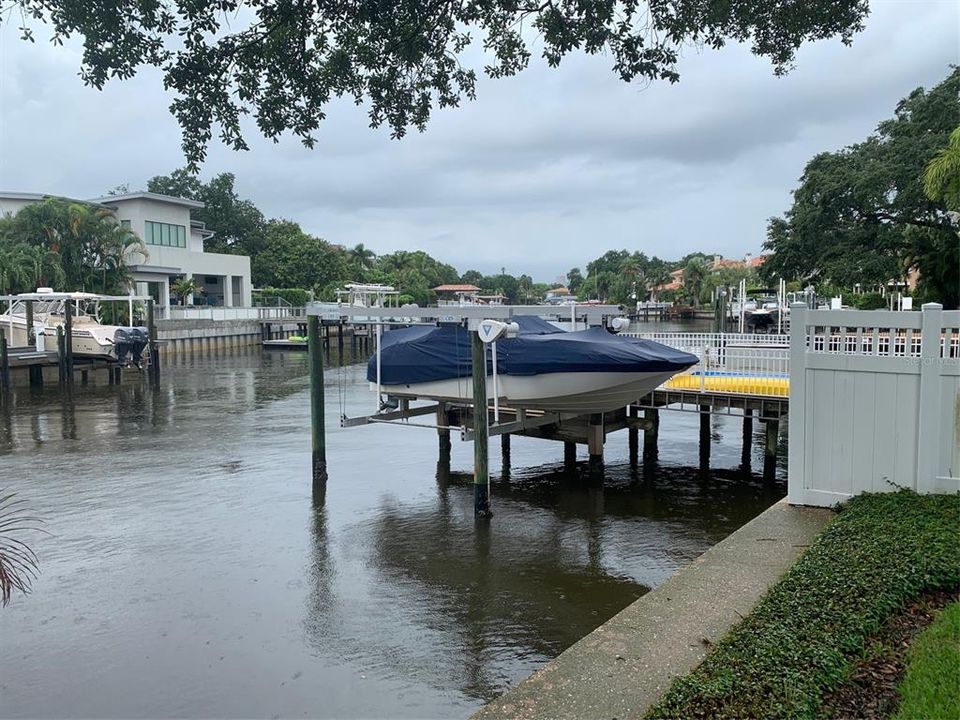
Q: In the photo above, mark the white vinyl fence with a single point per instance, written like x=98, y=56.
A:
x=874, y=402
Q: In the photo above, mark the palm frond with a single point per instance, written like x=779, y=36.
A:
x=19, y=565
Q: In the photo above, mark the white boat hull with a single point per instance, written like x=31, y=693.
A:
x=87, y=341
x=581, y=392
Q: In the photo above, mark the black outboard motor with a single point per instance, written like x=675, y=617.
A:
x=129, y=344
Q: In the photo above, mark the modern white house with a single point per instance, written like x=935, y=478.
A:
x=174, y=245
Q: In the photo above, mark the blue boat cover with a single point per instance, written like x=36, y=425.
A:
x=428, y=353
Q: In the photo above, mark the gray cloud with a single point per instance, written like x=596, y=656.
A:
x=543, y=172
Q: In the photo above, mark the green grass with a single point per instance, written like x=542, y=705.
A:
x=805, y=635
x=931, y=688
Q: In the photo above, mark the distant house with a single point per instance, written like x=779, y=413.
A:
x=557, y=295
x=749, y=261
x=174, y=246
x=675, y=282
x=462, y=294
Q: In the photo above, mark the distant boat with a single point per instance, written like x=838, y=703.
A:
x=543, y=368
x=89, y=338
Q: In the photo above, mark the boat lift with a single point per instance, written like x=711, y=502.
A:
x=741, y=375
x=486, y=324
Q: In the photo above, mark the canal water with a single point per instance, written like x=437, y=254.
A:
x=189, y=570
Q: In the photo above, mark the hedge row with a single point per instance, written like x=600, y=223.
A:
x=804, y=637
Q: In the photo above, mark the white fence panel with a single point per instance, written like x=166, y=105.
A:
x=874, y=403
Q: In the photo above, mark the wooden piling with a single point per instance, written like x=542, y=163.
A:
x=318, y=433
x=595, y=439
x=68, y=341
x=153, y=370
x=595, y=436
x=481, y=470
x=569, y=454
x=443, y=431
x=61, y=356
x=36, y=375
x=633, y=443
x=652, y=433
x=4, y=365
x=747, y=439
x=505, y=451
x=771, y=435
x=31, y=337
x=704, y=437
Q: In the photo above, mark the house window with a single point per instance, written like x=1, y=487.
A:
x=165, y=234
x=125, y=224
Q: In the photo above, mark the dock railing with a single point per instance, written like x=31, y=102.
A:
x=730, y=363
x=213, y=312
x=874, y=402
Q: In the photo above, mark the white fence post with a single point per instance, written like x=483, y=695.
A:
x=796, y=471
x=928, y=427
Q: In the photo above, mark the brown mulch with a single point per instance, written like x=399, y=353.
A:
x=871, y=692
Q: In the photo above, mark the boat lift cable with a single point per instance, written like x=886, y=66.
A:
x=496, y=398
x=341, y=390
x=379, y=334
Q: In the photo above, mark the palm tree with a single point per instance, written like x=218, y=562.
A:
x=14, y=267
x=694, y=274
x=45, y=268
x=361, y=259
x=184, y=287
x=941, y=180
x=90, y=247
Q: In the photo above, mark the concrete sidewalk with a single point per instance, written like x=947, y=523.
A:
x=622, y=668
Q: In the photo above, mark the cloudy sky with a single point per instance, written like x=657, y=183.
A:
x=541, y=173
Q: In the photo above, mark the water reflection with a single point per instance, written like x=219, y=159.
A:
x=563, y=554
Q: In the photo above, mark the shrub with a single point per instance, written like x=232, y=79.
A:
x=803, y=638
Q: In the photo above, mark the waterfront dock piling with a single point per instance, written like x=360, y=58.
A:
x=4, y=365
x=317, y=421
x=67, y=343
x=481, y=445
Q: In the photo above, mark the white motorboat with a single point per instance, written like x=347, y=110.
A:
x=543, y=368
x=89, y=337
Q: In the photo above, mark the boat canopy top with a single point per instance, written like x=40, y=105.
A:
x=427, y=354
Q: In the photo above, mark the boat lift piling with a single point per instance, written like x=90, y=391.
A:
x=318, y=434
x=704, y=437
x=747, y=439
x=771, y=437
x=31, y=334
x=154, y=367
x=5, y=383
x=68, y=344
x=481, y=444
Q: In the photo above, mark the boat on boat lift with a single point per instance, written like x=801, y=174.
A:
x=541, y=367
x=89, y=337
